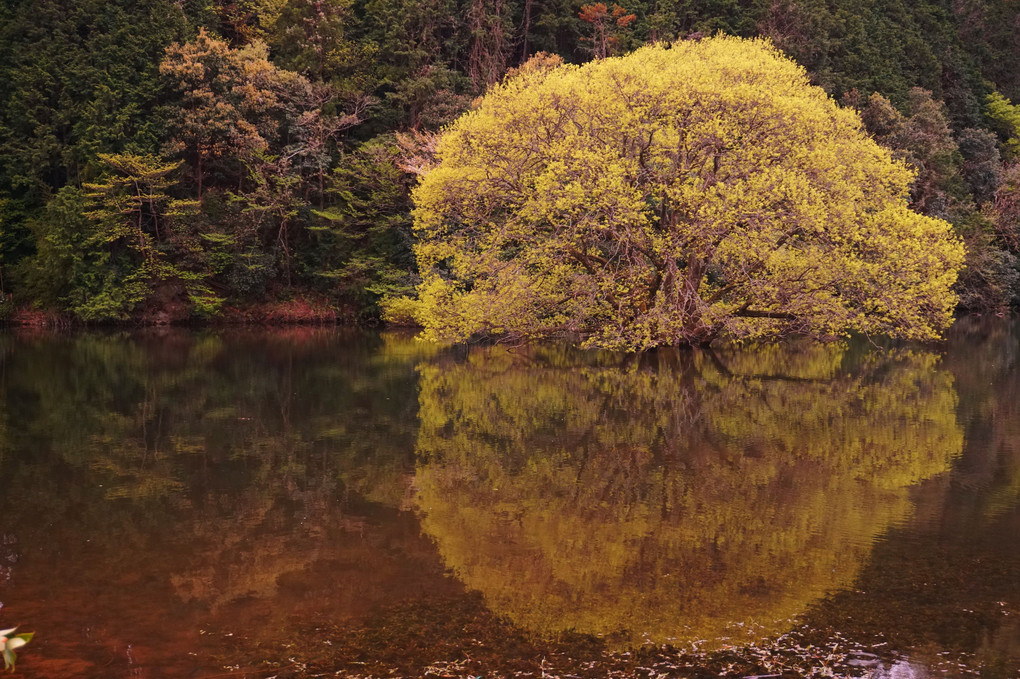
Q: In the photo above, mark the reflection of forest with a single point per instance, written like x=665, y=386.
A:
x=147, y=415
x=677, y=496
x=169, y=481
x=986, y=363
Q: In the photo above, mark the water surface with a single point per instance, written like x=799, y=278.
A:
x=318, y=503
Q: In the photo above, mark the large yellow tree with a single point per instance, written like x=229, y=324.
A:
x=678, y=194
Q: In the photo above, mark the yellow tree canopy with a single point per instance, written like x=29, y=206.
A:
x=668, y=197
x=678, y=498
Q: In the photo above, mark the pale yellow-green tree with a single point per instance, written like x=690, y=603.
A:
x=677, y=496
x=675, y=195
x=1005, y=115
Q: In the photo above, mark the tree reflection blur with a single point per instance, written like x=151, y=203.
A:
x=676, y=496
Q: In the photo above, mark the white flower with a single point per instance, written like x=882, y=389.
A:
x=9, y=644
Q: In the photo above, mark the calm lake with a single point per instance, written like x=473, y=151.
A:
x=311, y=503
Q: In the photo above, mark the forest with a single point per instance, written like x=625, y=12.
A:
x=175, y=160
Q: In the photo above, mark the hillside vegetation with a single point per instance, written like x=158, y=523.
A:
x=167, y=160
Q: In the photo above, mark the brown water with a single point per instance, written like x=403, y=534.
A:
x=307, y=503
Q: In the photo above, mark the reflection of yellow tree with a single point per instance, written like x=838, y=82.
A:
x=672, y=496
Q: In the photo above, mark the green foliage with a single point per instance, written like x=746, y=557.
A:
x=87, y=266
x=988, y=29
x=885, y=47
x=83, y=83
x=81, y=79
x=312, y=37
x=1005, y=116
x=669, y=197
x=417, y=43
x=104, y=247
x=133, y=198
x=982, y=166
x=363, y=240
x=260, y=142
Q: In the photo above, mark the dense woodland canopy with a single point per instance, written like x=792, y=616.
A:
x=167, y=160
